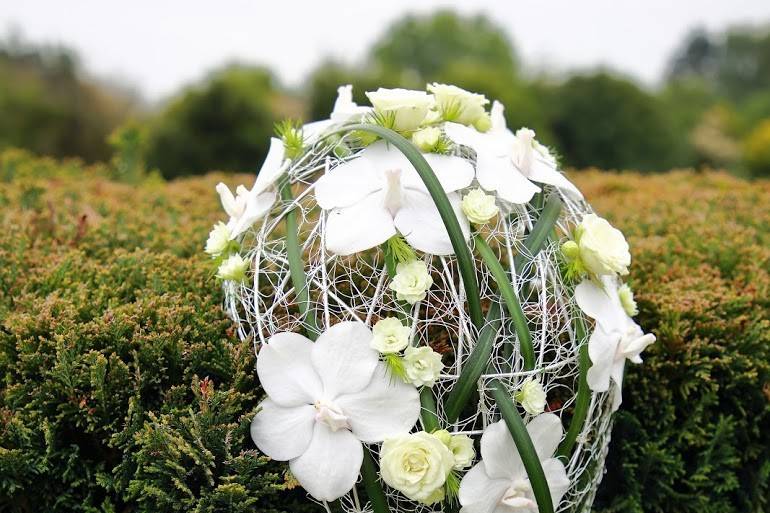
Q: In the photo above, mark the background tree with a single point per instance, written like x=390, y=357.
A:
x=225, y=122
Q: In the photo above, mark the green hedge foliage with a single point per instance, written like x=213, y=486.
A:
x=124, y=388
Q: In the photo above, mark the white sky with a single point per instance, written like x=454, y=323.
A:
x=156, y=46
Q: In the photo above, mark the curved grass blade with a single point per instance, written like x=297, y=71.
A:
x=372, y=484
x=583, y=396
x=464, y=257
x=511, y=301
x=524, y=446
x=474, y=366
x=430, y=422
x=296, y=265
x=542, y=229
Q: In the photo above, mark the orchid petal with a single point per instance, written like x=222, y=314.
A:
x=282, y=433
x=501, y=459
x=312, y=131
x=556, y=476
x=419, y=221
x=497, y=116
x=343, y=358
x=329, y=468
x=465, y=136
x=453, y=173
x=546, y=432
x=601, y=352
x=385, y=408
x=500, y=175
x=256, y=208
x=598, y=303
x=617, y=376
x=348, y=183
x=543, y=172
x=227, y=198
x=359, y=227
x=286, y=372
x=271, y=168
x=478, y=492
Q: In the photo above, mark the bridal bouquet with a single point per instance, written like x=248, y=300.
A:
x=440, y=321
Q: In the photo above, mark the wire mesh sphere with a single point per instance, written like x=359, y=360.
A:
x=355, y=288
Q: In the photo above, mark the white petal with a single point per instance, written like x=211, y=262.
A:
x=545, y=173
x=598, y=304
x=256, y=208
x=419, y=221
x=347, y=184
x=454, y=173
x=558, y=482
x=343, y=358
x=497, y=116
x=546, y=431
x=501, y=459
x=601, y=351
x=465, y=136
x=497, y=173
x=286, y=372
x=385, y=408
x=617, y=377
x=227, y=199
x=478, y=492
x=385, y=156
x=329, y=467
x=311, y=131
x=359, y=227
x=271, y=168
x=282, y=433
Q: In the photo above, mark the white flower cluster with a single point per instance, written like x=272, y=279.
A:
x=329, y=398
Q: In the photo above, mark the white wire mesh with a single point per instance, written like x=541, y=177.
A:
x=355, y=288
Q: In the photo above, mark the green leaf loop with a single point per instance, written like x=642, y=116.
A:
x=524, y=446
x=372, y=484
x=583, y=396
x=296, y=265
x=511, y=301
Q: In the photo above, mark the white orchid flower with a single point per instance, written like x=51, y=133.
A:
x=248, y=206
x=324, y=400
x=499, y=482
x=616, y=337
x=377, y=194
x=345, y=109
x=509, y=163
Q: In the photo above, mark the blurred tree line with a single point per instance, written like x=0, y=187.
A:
x=713, y=109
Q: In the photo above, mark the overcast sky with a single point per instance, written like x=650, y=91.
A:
x=158, y=45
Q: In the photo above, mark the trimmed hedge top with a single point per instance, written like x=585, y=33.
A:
x=124, y=388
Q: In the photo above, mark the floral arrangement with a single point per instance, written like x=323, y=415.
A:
x=440, y=320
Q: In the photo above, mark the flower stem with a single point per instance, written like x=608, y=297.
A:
x=541, y=231
x=583, y=396
x=448, y=216
x=296, y=265
x=474, y=366
x=524, y=446
x=511, y=301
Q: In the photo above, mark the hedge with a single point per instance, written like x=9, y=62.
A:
x=124, y=388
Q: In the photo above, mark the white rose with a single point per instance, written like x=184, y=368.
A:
x=422, y=365
x=411, y=282
x=219, y=240
x=390, y=336
x=531, y=396
x=417, y=465
x=427, y=138
x=407, y=108
x=479, y=207
x=603, y=249
x=627, y=300
x=461, y=106
x=463, y=451
x=234, y=269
